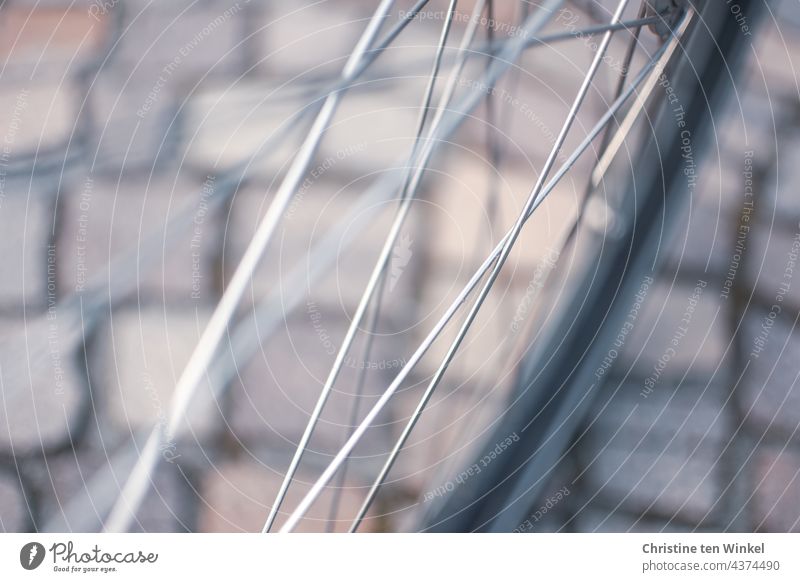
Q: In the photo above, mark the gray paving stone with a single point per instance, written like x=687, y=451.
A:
x=231, y=121
x=462, y=233
x=44, y=389
x=778, y=190
x=310, y=38
x=275, y=393
x=657, y=453
x=140, y=355
x=14, y=511
x=35, y=117
x=771, y=266
x=677, y=329
x=104, y=220
x=305, y=226
x=689, y=414
x=26, y=222
x=770, y=395
x=666, y=480
x=237, y=496
x=781, y=44
x=73, y=498
x=50, y=39
x=135, y=125
x=79, y=487
x=182, y=41
x=704, y=238
x=755, y=118
x=169, y=506
x=374, y=130
x=777, y=497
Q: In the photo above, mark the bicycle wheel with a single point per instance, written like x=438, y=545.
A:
x=671, y=24
x=563, y=372
x=402, y=277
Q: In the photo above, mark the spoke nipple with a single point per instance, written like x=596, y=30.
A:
x=669, y=12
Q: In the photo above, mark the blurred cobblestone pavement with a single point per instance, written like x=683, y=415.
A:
x=125, y=210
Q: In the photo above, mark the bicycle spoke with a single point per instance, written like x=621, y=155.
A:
x=131, y=496
x=615, y=142
x=591, y=185
x=371, y=285
x=366, y=354
x=657, y=61
x=496, y=152
x=493, y=150
x=498, y=265
x=631, y=25
x=511, y=53
x=246, y=335
x=522, y=487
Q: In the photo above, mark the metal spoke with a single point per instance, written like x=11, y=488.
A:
x=496, y=152
x=522, y=486
x=139, y=480
x=636, y=24
x=371, y=285
x=245, y=337
x=366, y=354
x=511, y=53
x=658, y=61
x=267, y=318
x=622, y=77
x=615, y=142
x=131, y=496
x=498, y=265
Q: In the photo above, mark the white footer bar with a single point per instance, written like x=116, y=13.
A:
x=400, y=557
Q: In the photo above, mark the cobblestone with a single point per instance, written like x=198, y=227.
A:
x=659, y=453
x=105, y=220
x=44, y=391
x=14, y=514
x=139, y=358
x=238, y=494
x=770, y=396
x=777, y=497
x=25, y=244
x=274, y=394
